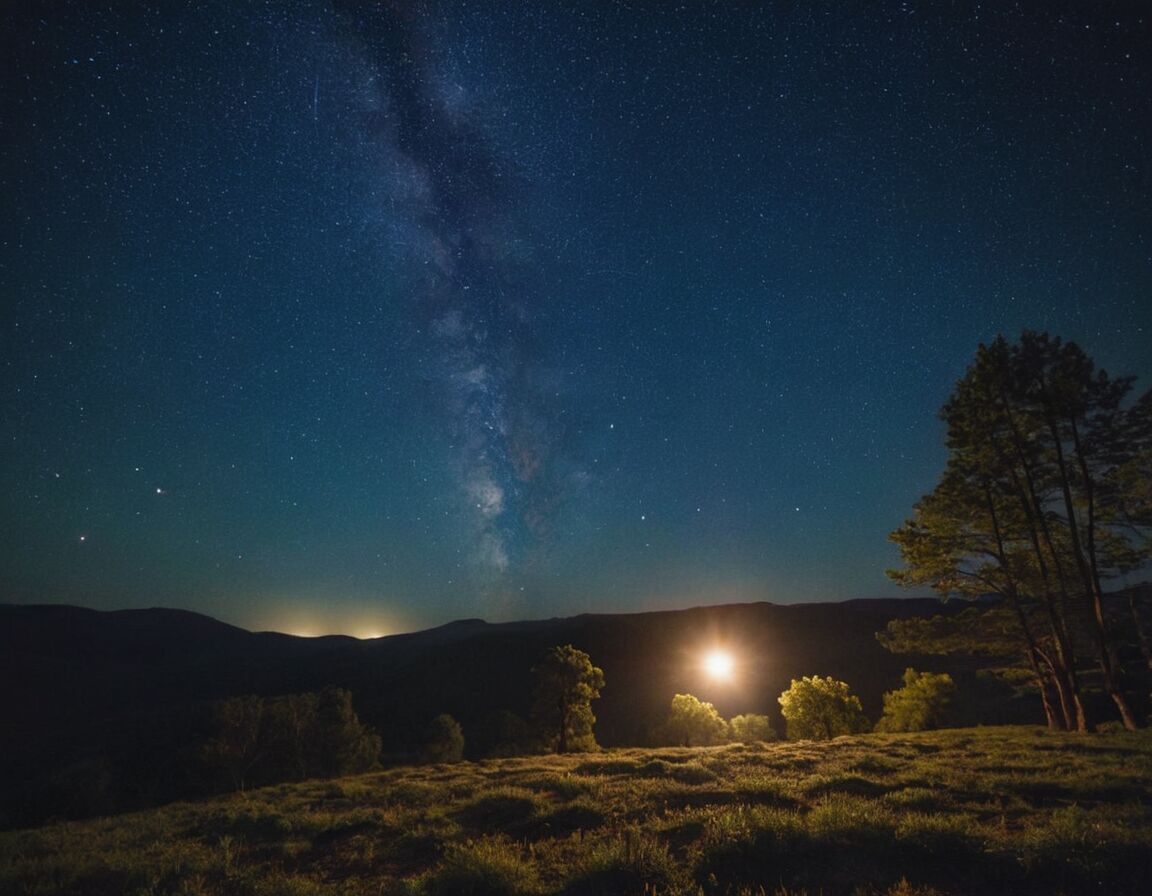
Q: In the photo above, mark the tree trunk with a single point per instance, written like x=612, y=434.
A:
x=1087, y=566
x=1040, y=537
x=562, y=740
x=1013, y=594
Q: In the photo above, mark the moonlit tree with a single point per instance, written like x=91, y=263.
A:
x=816, y=708
x=1044, y=498
x=566, y=685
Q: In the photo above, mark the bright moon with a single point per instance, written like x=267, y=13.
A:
x=719, y=664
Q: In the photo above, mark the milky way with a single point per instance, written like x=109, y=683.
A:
x=454, y=206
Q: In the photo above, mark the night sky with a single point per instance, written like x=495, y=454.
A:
x=363, y=317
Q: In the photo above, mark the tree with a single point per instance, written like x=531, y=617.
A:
x=445, y=741
x=750, y=728
x=921, y=705
x=1007, y=633
x=260, y=740
x=503, y=734
x=236, y=746
x=566, y=685
x=340, y=744
x=818, y=708
x=692, y=723
x=1042, y=500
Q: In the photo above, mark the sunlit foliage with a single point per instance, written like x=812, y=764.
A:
x=816, y=708
x=920, y=705
x=693, y=723
x=750, y=728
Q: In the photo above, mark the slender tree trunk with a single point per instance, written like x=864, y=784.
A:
x=1067, y=683
x=1055, y=723
x=562, y=740
x=1087, y=567
x=1013, y=594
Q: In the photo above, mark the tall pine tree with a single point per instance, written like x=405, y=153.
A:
x=1043, y=499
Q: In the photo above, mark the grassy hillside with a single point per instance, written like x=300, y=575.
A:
x=987, y=810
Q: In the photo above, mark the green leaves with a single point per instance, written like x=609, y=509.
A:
x=816, y=708
x=566, y=685
x=693, y=723
x=921, y=705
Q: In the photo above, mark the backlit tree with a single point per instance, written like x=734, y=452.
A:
x=693, y=723
x=921, y=705
x=816, y=708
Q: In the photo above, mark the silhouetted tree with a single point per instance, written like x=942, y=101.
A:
x=259, y=740
x=445, y=741
x=504, y=733
x=1044, y=497
x=340, y=744
x=566, y=685
x=816, y=708
x=237, y=745
x=994, y=631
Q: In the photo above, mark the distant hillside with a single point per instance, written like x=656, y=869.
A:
x=122, y=695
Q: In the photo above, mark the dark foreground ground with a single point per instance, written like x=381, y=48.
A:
x=978, y=810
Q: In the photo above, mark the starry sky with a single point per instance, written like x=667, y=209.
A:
x=362, y=317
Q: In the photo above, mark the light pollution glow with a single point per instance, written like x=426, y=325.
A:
x=314, y=620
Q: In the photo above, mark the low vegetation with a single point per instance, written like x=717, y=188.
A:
x=990, y=810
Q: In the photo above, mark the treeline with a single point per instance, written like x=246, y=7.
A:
x=814, y=708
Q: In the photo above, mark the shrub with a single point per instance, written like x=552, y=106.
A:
x=750, y=728
x=489, y=867
x=693, y=723
x=921, y=705
x=445, y=741
x=633, y=863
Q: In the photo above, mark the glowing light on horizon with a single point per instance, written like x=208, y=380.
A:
x=719, y=665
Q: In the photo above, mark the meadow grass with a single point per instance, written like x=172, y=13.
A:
x=988, y=810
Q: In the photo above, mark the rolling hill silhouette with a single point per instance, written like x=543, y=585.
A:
x=116, y=702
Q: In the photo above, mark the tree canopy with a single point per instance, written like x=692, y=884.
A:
x=750, y=728
x=693, y=723
x=816, y=708
x=566, y=685
x=261, y=740
x=921, y=705
x=444, y=742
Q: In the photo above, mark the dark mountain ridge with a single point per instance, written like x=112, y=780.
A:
x=126, y=692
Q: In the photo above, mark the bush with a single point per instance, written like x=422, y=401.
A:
x=751, y=728
x=634, y=863
x=260, y=740
x=821, y=708
x=921, y=705
x=445, y=741
x=692, y=723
